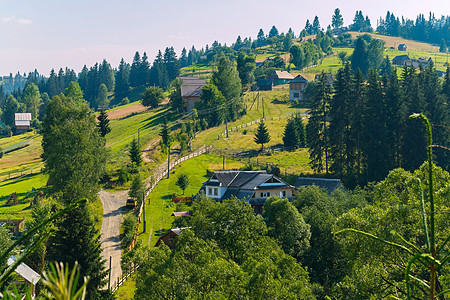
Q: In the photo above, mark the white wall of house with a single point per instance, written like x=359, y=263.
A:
x=215, y=191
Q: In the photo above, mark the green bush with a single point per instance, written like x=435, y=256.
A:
x=128, y=224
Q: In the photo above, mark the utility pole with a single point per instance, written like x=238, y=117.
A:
x=109, y=275
x=262, y=100
x=143, y=210
x=168, y=162
x=226, y=123
x=139, y=139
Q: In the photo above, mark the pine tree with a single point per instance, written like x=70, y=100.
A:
x=262, y=135
x=144, y=70
x=136, y=188
x=78, y=240
x=358, y=102
x=182, y=181
x=165, y=134
x=135, y=153
x=375, y=131
x=171, y=63
x=135, y=70
x=339, y=125
x=316, y=25
x=337, y=20
x=290, y=135
x=301, y=132
x=317, y=128
x=103, y=123
x=158, y=72
x=106, y=75
x=273, y=32
x=122, y=80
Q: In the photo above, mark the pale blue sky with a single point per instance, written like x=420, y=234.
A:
x=49, y=34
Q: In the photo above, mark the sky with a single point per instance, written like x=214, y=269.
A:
x=48, y=34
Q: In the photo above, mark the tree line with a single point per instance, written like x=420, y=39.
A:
x=359, y=130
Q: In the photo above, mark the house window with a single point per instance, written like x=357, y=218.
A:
x=210, y=191
x=283, y=194
x=216, y=192
x=265, y=194
x=296, y=95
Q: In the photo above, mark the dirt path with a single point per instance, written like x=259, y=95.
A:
x=125, y=111
x=113, y=204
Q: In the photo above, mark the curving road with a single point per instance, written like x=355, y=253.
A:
x=113, y=204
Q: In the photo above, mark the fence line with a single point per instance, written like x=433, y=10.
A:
x=20, y=174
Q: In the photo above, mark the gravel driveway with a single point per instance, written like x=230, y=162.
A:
x=113, y=204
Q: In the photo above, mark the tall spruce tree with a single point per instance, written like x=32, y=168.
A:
x=317, y=127
x=337, y=20
x=135, y=70
x=135, y=153
x=103, y=123
x=375, y=130
x=358, y=102
x=227, y=80
x=262, y=135
x=339, y=125
x=122, y=85
x=78, y=240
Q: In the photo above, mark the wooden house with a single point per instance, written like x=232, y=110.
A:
x=297, y=88
x=170, y=238
x=252, y=186
x=22, y=121
x=402, y=47
x=191, y=91
x=265, y=84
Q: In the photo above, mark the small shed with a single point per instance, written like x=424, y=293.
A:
x=26, y=273
x=22, y=121
x=326, y=184
x=170, y=238
x=181, y=214
x=402, y=47
x=265, y=84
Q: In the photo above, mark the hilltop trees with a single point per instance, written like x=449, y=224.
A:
x=103, y=123
x=337, y=20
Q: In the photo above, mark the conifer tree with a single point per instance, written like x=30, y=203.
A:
x=135, y=153
x=122, y=80
x=135, y=71
x=227, y=80
x=290, y=135
x=339, y=125
x=165, y=134
x=78, y=240
x=337, y=20
x=262, y=135
x=103, y=123
x=144, y=70
x=317, y=128
x=102, y=96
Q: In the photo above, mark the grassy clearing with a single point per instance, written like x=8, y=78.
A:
x=24, y=187
x=391, y=41
x=126, y=290
x=159, y=206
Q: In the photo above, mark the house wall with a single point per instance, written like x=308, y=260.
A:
x=296, y=91
x=274, y=192
x=190, y=102
x=220, y=191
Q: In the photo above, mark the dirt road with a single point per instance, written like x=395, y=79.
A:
x=113, y=207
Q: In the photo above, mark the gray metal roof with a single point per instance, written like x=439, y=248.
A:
x=299, y=79
x=245, y=194
x=256, y=181
x=329, y=185
x=22, y=116
x=191, y=86
x=281, y=75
